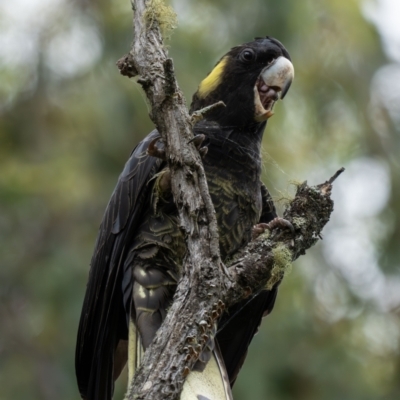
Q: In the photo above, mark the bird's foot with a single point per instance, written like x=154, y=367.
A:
x=198, y=141
x=275, y=223
x=157, y=151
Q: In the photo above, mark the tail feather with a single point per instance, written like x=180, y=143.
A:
x=210, y=384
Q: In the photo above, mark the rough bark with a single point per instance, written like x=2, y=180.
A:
x=206, y=286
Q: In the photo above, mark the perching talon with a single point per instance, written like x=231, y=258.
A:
x=275, y=223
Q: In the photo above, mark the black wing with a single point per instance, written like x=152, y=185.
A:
x=103, y=318
x=238, y=326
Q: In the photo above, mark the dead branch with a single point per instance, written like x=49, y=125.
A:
x=206, y=286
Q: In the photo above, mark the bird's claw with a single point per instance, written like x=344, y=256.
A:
x=155, y=151
x=198, y=141
x=259, y=229
x=275, y=223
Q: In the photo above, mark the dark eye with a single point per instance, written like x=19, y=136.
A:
x=247, y=55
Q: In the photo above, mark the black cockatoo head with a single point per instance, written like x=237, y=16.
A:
x=249, y=79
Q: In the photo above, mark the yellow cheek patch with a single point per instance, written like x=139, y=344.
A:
x=213, y=79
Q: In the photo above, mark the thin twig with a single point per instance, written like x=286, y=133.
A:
x=331, y=180
x=197, y=116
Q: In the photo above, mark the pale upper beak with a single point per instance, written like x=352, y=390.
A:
x=279, y=75
x=272, y=84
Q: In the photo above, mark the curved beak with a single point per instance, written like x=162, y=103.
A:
x=272, y=84
x=279, y=75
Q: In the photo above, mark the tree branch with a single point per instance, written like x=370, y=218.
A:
x=206, y=286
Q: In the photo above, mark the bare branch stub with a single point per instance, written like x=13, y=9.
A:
x=334, y=177
x=197, y=116
x=126, y=66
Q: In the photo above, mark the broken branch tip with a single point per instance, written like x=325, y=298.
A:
x=334, y=177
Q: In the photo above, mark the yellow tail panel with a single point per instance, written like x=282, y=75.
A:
x=210, y=384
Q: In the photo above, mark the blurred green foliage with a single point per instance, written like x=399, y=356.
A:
x=68, y=123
